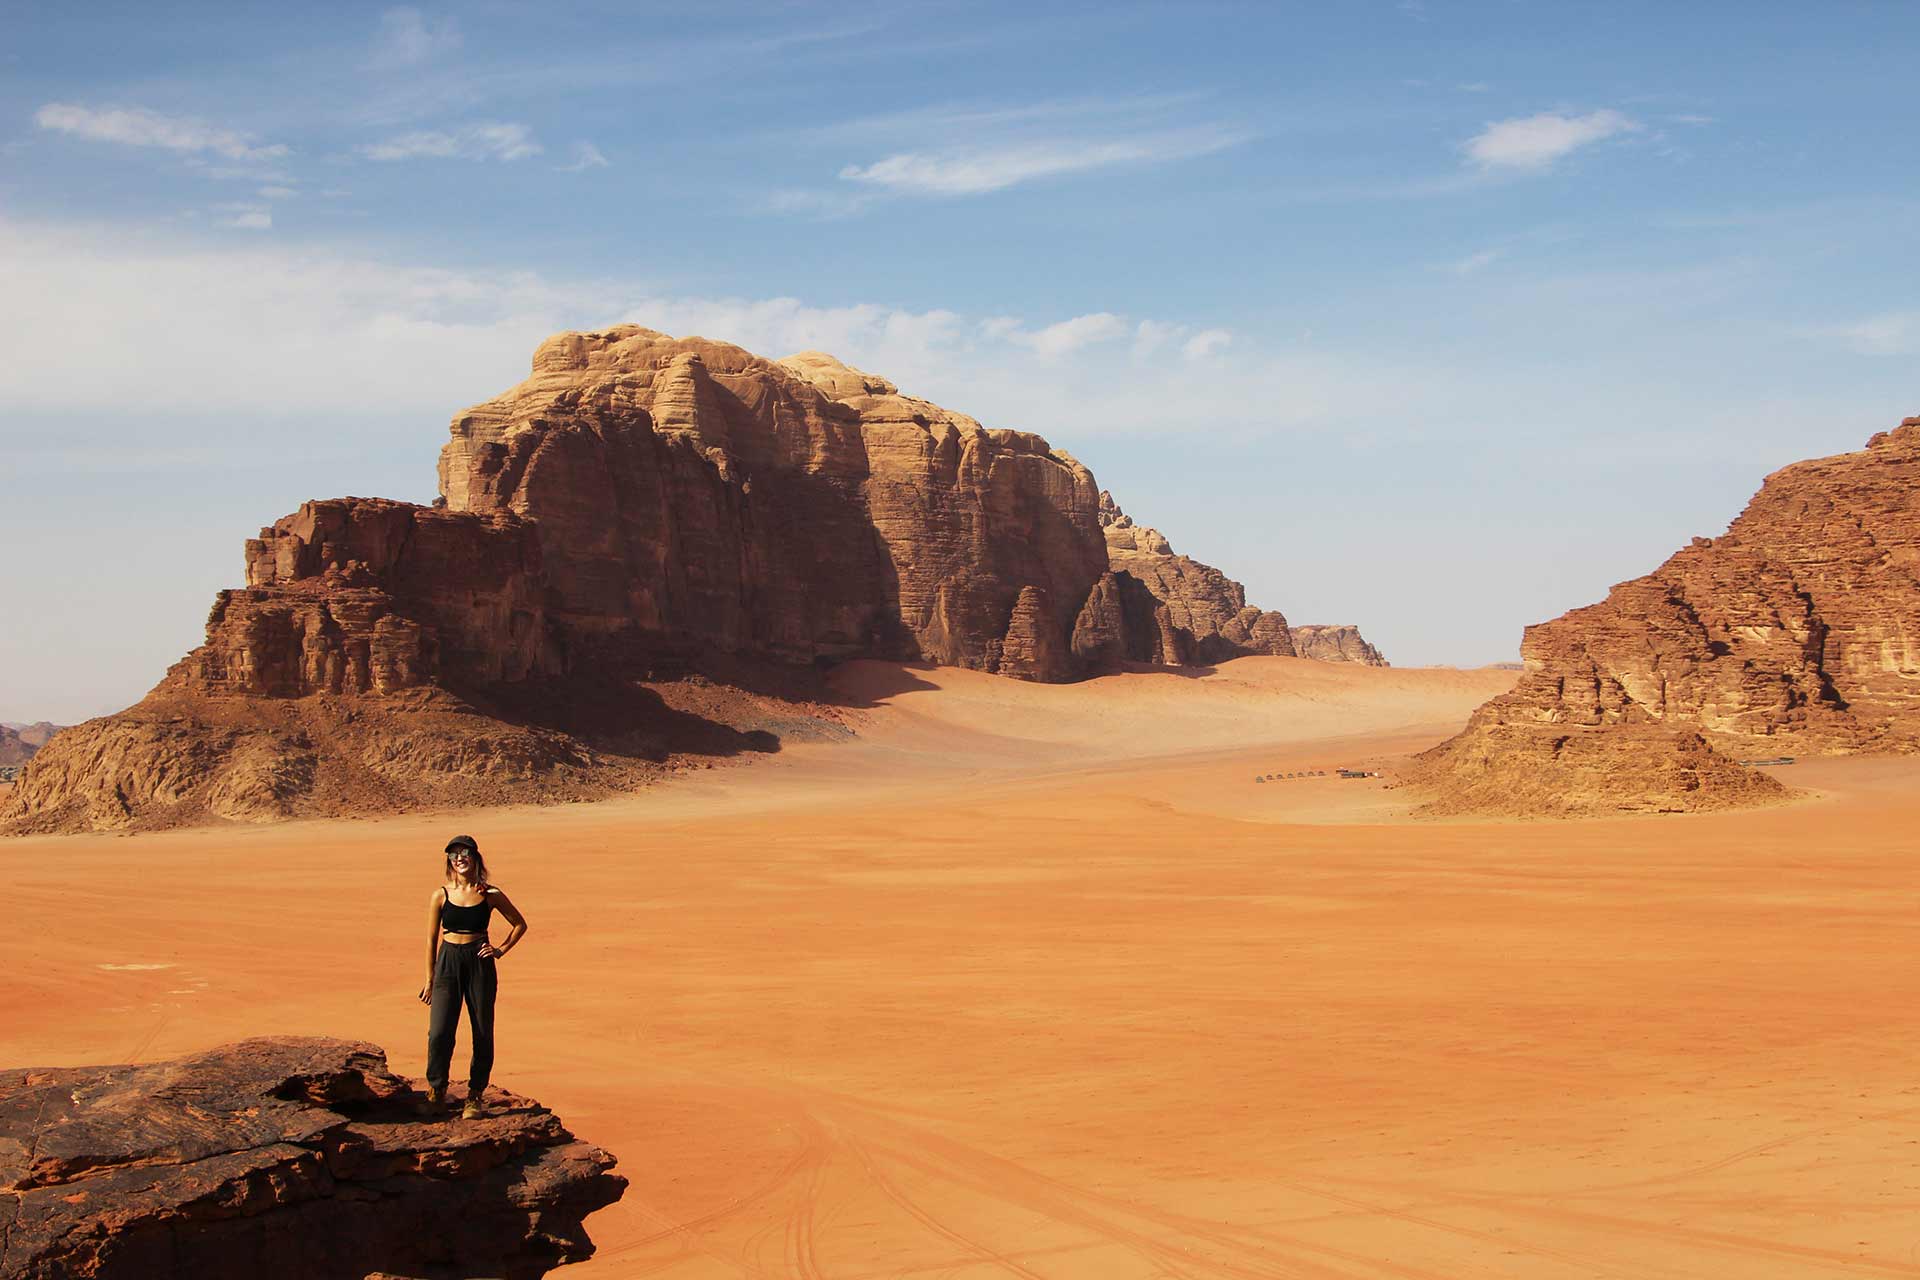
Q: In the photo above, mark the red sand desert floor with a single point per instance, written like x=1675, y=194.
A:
x=1037, y=982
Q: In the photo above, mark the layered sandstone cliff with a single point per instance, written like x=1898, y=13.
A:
x=1338, y=643
x=1158, y=606
x=1795, y=632
x=640, y=509
x=690, y=496
x=641, y=513
x=290, y=1157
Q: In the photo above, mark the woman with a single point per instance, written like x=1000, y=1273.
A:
x=461, y=969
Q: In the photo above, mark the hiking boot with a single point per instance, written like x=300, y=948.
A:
x=435, y=1101
x=472, y=1111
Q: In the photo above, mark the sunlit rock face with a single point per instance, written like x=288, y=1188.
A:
x=1798, y=630
x=690, y=495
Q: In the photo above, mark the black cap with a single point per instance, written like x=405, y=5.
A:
x=463, y=842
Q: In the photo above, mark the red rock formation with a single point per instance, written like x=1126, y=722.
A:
x=640, y=504
x=640, y=507
x=690, y=496
x=293, y=1157
x=1156, y=606
x=1341, y=643
x=1797, y=631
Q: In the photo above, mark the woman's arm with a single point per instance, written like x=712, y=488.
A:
x=433, y=942
x=504, y=905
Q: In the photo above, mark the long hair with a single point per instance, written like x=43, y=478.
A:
x=479, y=866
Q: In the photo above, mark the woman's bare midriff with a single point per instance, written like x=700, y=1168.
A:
x=462, y=939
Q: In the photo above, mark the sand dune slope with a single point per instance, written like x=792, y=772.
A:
x=1035, y=981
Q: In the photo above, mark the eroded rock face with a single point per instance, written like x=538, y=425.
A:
x=289, y=1157
x=641, y=507
x=1340, y=643
x=1797, y=631
x=691, y=496
x=1157, y=606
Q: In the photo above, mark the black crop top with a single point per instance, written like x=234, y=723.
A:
x=471, y=919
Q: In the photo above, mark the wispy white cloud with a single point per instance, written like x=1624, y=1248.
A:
x=244, y=216
x=1890, y=333
x=1206, y=343
x=1535, y=142
x=820, y=204
x=406, y=37
x=139, y=127
x=1068, y=336
x=1473, y=262
x=277, y=193
x=1151, y=335
x=977, y=170
x=585, y=156
x=473, y=142
x=235, y=329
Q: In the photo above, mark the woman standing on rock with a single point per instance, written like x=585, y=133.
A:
x=461, y=969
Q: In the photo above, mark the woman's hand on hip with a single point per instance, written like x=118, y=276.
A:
x=490, y=952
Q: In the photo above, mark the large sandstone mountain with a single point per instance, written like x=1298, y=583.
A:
x=642, y=551
x=1795, y=632
x=296, y=1157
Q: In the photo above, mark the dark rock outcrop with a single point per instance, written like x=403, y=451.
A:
x=291, y=1158
x=1796, y=631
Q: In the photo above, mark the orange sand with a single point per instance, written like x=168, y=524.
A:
x=1037, y=982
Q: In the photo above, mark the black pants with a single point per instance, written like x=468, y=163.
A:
x=460, y=975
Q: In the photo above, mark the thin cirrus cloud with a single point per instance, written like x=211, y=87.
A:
x=972, y=171
x=1067, y=337
x=139, y=127
x=475, y=142
x=585, y=156
x=1533, y=143
x=406, y=37
x=242, y=216
x=1890, y=333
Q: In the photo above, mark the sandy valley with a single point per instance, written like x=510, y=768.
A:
x=1036, y=980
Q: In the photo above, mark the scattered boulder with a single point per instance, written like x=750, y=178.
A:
x=289, y=1157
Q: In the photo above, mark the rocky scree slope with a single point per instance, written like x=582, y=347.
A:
x=1795, y=632
x=289, y=1157
x=641, y=511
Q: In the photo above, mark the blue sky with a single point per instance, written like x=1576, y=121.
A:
x=1439, y=318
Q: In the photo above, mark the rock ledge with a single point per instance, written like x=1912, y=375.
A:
x=288, y=1157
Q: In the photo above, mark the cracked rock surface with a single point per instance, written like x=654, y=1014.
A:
x=289, y=1157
